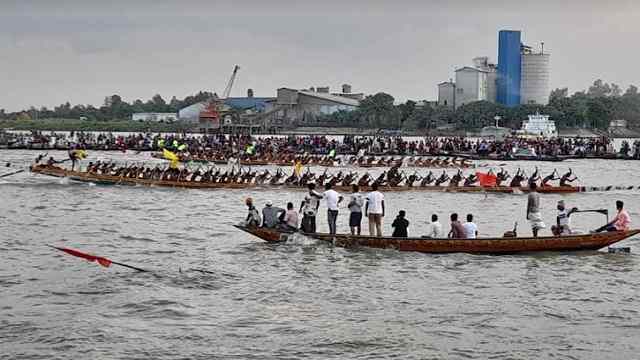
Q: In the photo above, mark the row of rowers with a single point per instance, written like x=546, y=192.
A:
x=372, y=205
x=392, y=177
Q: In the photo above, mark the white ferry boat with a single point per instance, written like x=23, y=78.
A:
x=539, y=125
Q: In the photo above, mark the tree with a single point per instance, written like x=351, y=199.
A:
x=378, y=111
x=158, y=102
x=631, y=91
x=406, y=110
x=558, y=95
x=420, y=118
x=599, y=89
x=599, y=112
x=478, y=114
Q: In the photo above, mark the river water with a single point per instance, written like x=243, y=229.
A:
x=216, y=293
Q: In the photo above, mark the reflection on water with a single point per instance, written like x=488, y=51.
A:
x=219, y=293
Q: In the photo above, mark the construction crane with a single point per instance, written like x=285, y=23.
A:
x=210, y=116
x=232, y=79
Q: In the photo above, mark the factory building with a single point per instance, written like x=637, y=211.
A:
x=509, y=68
x=483, y=63
x=471, y=86
x=447, y=94
x=307, y=105
x=521, y=77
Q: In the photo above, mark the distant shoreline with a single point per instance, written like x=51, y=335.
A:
x=128, y=126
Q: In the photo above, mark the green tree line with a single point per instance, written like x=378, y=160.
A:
x=594, y=107
x=113, y=108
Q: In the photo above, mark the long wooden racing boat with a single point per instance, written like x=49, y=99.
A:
x=84, y=176
x=504, y=245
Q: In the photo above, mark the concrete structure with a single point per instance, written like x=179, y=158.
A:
x=509, y=68
x=154, y=116
x=471, y=86
x=534, y=85
x=346, y=92
x=306, y=106
x=447, y=94
x=483, y=63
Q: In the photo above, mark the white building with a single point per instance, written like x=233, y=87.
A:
x=154, y=116
x=447, y=94
x=482, y=63
x=534, y=79
x=471, y=85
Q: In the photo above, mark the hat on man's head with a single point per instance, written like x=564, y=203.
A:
x=269, y=203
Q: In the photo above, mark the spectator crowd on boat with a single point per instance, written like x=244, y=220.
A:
x=312, y=144
x=371, y=206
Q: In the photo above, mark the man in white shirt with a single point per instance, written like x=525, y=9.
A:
x=333, y=199
x=470, y=229
x=375, y=210
x=563, y=220
x=309, y=208
x=435, y=228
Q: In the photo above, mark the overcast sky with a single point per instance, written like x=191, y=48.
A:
x=81, y=51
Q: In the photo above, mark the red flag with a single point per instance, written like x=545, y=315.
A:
x=103, y=261
x=487, y=179
x=100, y=260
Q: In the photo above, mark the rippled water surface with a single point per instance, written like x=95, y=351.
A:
x=217, y=293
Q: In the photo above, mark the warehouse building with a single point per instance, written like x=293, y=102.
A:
x=307, y=105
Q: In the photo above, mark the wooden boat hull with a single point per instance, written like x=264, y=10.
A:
x=480, y=246
x=110, y=179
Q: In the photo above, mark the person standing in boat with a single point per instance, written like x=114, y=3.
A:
x=309, y=209
x=355, y=207
x=374, y=209
x=400, y=225
x=253, y=217
x=621, y=222
x=333, y=199
x=533, y=210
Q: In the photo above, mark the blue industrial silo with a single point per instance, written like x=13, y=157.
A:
x=509, y=68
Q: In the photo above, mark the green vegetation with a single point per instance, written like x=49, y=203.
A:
x=113, y=108
x=93, y=125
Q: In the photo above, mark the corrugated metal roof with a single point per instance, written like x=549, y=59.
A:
x=329, y=97
x=244, y=103
x=465, y=68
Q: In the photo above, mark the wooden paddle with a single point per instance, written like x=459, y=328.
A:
x=13, y=173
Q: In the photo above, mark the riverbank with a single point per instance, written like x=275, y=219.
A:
x=93, y=125
x=188, y=127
